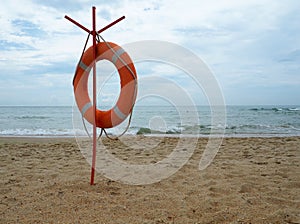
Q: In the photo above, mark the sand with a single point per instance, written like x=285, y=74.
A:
x=251, y=180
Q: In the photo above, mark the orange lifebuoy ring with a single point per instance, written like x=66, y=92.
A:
x=128, y=78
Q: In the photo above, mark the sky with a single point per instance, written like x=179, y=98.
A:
x=252, y=47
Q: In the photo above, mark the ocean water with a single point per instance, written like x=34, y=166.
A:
x=241, y=121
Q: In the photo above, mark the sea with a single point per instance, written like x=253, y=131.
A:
x=239, y=121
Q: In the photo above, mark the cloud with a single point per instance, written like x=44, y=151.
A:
x=252, y=44
x=292, y=56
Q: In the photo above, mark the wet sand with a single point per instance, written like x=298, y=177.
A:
x=251, y=180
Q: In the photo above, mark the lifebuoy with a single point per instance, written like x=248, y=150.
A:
x=128, y=80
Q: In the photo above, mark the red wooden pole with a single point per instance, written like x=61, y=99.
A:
x=94, y=33
x=94, y=97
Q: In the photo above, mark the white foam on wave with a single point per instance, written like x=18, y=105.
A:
x=36, y=132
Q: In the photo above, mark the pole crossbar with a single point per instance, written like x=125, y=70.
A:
x=111, y=24
x=99, y=31
x=77, y=24
x=94, y=33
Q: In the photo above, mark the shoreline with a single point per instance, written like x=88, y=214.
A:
x=157, y=136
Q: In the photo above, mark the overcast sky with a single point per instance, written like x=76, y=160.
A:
x=252, y=47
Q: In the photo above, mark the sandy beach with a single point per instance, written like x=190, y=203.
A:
x=251, y=180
